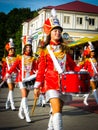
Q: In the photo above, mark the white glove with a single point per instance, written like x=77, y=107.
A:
x=35, y=72
x=83, y=70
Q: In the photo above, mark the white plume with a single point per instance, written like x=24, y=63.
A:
x=53, y=12
x=11, y=40
x=91, y=45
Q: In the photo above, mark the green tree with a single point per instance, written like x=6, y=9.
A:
x=2, y=33
x=11, y=27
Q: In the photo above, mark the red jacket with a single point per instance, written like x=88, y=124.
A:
x=18, y=65
x=47, y=72
x=5, y=65
x=88, y=66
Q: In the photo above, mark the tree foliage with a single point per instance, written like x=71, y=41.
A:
x=11, y=27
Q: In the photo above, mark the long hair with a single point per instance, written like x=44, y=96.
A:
x=63, y=43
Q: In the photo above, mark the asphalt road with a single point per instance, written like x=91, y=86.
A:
x=73, y=118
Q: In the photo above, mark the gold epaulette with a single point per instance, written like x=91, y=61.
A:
x=44, y=51
x=87, y=59
x=19, y=56
x=3, y=59
x=33, y=58
x=81, y=63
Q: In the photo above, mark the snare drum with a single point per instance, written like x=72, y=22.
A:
x=75, y=82
x=29, y=81
x=29, y=84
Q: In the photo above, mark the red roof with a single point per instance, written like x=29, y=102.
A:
x=76, y=6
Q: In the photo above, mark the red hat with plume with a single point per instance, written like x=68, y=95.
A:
x=27, y=40
x=51, y=23
x=9, y=45
x=88, y=49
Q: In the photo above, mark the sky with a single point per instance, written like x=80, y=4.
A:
x=7, y=5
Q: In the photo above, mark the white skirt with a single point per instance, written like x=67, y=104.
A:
x=22, y=85
x=65, y=97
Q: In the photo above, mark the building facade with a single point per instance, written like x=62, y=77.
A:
x=77, y=18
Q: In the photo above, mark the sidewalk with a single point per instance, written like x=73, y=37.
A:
x=74, y=118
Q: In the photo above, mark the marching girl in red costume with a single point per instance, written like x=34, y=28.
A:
x=91, y=66
x=7, y=63
x=26, y=66
x=41, y=99
x=50, y=70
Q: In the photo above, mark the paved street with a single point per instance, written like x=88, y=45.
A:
x=74, y=118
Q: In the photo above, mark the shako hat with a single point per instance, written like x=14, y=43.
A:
x=9, y=45
x=51, y=23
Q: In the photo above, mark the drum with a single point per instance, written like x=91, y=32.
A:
x=29, y=84
x=75, y=82
x=29, y=81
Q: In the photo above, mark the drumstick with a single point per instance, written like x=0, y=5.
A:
x=2, y=83
x=33, y=108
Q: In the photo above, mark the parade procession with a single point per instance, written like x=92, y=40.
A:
x=52, y=75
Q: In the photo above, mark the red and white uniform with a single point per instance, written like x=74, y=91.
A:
x=47, y=72
x=92, y=69
x=7, y=64
x=25, y=65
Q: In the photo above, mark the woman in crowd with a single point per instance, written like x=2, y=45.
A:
x=6, y=65
x=50, y=69
x=91, y=66
x=26, y=66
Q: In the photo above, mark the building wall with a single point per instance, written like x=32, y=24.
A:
x=76, y=24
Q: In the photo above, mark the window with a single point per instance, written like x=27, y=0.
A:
x=91, y=21
x=79, y=20
x=67, y=19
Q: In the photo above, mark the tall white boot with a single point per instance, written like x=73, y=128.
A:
x=85, y=99
x=43, y=101
x=26, y=111
x=50, y=123
x=95, y=95
x=7, y=104
x=20, y=113
x=39, y=100
x=11, y=100
x=57, y=121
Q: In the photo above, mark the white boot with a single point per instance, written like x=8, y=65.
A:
x=25, y=107
x=50, y=124
x=85, y=99
x=57, y=121
x=95, y=95
x=11, y=100
x=20, y=113
x=39, y=100
x=43, y=103
x=7, y=104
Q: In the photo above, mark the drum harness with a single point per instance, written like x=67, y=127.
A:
x=28, y=80
x=55, y=62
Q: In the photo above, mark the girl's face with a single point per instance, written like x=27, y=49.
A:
x=92, y=54
x=56, y=34
x=11, y=51
x=28, y=50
